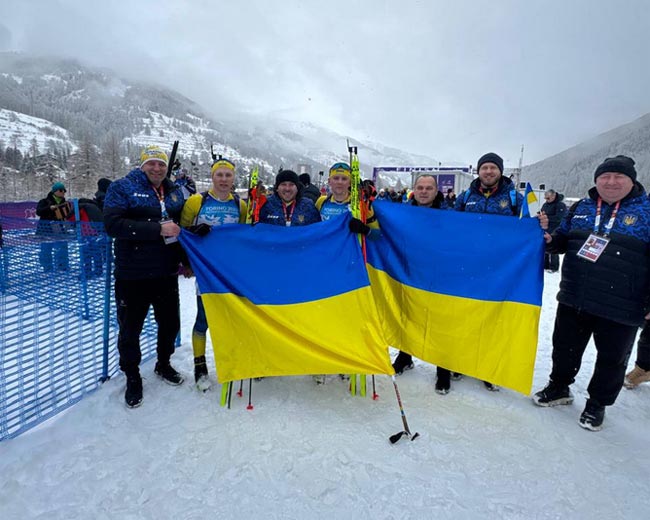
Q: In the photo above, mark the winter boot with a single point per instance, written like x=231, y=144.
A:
x=553, y=395
x=201, y=374
x=490, y=386
x=443, y=381
x=635, y=377
x=319, y=379
x=403, y=361
x=133, y=394
x=456, y=376
x=168, y=374
x=592, y=417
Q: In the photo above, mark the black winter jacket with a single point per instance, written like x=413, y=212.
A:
x=132, y=215
x=555, y=211
x=616, y=287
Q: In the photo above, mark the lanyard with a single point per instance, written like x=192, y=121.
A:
x=610, y=224
x=161, y=198
x=288, y=215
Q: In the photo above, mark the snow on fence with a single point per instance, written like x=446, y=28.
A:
x=58, y=328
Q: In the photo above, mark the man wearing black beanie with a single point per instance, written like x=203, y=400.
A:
x=287, y=206
x=491, y=193
x=604, y=287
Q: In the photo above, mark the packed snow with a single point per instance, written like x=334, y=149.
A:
x=308, y=451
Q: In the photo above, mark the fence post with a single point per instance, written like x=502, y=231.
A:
x=107, y=303
x=82, y=246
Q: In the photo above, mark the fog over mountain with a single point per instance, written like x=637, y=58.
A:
x=571, y=171
x=67, y=120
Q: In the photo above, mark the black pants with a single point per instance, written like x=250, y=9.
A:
x=551, y=261
x=643, y=348
x=133, y=298
x=614, y=342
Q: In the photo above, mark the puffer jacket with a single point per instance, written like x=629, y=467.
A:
x=132, y=216
x=505, y=200
x=305, y=212
x=616, y=286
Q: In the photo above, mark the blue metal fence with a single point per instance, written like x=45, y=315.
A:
x=58, y=330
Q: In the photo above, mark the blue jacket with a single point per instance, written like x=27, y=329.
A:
x=616, y=286
x=305, y=212
x=504, y=201
x=132, y=216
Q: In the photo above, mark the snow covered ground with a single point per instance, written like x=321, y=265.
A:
x=310, y=451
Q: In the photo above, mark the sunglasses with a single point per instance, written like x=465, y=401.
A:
x=340, y=166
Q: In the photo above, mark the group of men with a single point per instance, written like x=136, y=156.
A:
x=603, y=292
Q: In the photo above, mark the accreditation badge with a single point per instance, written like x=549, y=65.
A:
x=593, y=248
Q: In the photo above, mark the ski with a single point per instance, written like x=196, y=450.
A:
x=355, y=208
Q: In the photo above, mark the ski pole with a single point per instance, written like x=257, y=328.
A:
x=394, y=438
x=250, y=394
x=241, y=386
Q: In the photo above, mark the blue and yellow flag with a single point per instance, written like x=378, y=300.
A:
x=288, y=301
x=460, y=290
x=529, y=198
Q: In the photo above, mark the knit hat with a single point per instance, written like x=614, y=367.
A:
x=305, y=178
x=493, y=158
x=103, y=184
x=222, y=163
x=341, y=168
x=619, y=164
x=58, y=186
x=287, y=176
x=153, y=153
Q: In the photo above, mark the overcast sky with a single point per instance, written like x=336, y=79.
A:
x=450, y=79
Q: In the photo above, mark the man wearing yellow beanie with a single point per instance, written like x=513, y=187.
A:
x=203, y=211
x=142, y=211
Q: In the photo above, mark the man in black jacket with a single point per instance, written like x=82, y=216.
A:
x=309, y=190
x=54, y=211
x=604, y=287
x=141, y=212
x=555, y=210
x=425, y=195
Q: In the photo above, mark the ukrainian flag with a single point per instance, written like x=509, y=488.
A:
x=460, y=290
x=288, y=301
x=529, y=198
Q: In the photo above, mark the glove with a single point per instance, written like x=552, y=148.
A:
x=200, y=230
x=356, y=226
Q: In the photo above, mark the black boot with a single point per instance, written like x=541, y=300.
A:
x=201, y=374
x=133, y=394
x=443, y=381
x=168, y=374
x=593, y=416
x=403, y=361
x=553, y=395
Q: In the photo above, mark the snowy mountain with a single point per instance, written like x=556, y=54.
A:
x=571, y=171
x=96, y=114
x=26, y=132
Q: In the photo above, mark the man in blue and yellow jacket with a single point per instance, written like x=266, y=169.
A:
x=141, y=212
x=605, y=239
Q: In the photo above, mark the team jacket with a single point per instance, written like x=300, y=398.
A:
x=329, y=208
x=303, y=214
x=132, y=216
x=499, y=202
x=213, y=211
x=616, y=286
